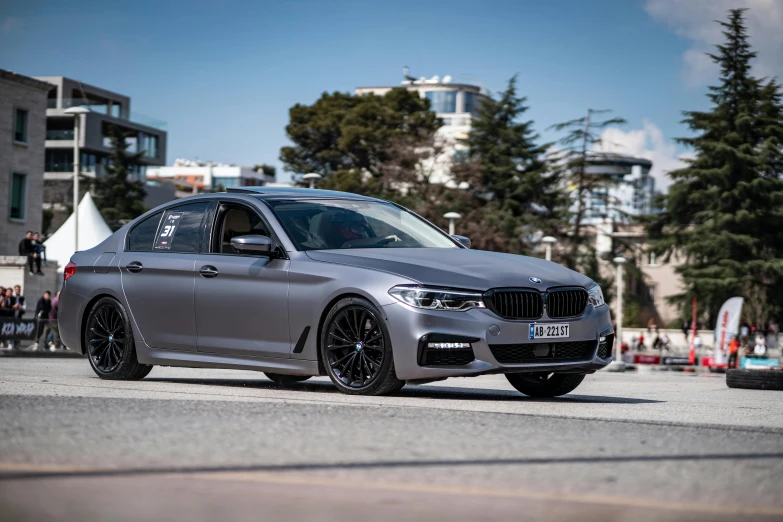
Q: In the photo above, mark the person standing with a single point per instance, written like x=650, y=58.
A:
x=26, y=249
x=733, y=351
x=39, y=251
x=774, y=329
x=42, y=310
x=53, y=326
x=20, y=306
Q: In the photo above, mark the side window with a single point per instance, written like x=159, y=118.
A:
x=142, y=236
x=238, y=221
x=180, y=230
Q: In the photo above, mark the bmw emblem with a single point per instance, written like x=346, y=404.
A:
x=358, y=347
x=534, y=280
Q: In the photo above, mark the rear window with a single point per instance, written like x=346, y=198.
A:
x=142, y=235
x=180, y=230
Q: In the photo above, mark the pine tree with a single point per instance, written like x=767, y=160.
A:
x=118, y=197
x=724, y=210
x=577, y=149
x=515, y=195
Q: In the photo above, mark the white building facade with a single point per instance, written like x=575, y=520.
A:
x=205, y=175
x=454, y=103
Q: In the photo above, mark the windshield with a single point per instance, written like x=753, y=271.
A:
x=339, y=224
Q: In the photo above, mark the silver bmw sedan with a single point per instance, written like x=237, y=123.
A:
x=301, y=282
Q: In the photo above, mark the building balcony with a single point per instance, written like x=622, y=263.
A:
x=59, y=134
x=113, y=111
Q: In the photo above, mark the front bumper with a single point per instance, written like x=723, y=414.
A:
x=407, y=325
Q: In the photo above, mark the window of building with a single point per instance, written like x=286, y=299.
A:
x=20, y=125
x=142, y=236
x=461, y=155
x=442, y=101
x=225, y=182
x=149, y=144
x=18, y=196
x=181, y=229
x=652, y=259
x=471, y=102
x=58, y=160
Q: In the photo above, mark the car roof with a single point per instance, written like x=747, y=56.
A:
x=270, y=193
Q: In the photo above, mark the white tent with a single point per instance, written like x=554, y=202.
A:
x=92, y=230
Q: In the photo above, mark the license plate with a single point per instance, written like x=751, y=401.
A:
x=549, y=331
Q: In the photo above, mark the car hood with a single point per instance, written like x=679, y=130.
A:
x=457, y=268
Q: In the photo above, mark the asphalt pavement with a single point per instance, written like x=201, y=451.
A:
x=192, y=444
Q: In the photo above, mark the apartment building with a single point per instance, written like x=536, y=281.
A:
x=22, y=136
x=107, y=108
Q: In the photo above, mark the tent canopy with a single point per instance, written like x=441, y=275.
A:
x=92, y=230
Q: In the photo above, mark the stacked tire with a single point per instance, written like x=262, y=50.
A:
x=755, y=379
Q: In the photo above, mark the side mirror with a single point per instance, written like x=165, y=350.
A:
x=256, y=244
x=462, y=240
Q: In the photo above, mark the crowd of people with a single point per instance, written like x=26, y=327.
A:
x=13, y=305
x=31, y=246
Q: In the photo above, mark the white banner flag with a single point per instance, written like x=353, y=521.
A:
x=728, y=326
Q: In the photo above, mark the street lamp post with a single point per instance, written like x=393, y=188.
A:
x=312, y=177
x=548, y=241
x=452, y=217
x=618, y=365
x=76, y=112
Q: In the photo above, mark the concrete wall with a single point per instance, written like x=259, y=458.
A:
x=13, y=271
x=23, y=158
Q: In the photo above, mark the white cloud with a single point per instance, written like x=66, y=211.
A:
x=695, y=20
x=648, y=143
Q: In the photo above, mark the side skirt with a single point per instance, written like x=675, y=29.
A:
x=158, y=357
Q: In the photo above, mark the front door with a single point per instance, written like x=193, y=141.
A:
x=158, y=273
x=241, y=299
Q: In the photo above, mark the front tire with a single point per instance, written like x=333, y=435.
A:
x=545, y=384
x=356, y=349
x=108, y=338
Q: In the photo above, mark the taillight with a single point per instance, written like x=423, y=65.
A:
x=69, y=270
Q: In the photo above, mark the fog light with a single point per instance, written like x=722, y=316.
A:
x=447, y=346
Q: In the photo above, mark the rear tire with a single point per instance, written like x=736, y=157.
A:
x=356, y=349
x=545, y=384
x=108, y=340
x=283, y=379
x=755, y=379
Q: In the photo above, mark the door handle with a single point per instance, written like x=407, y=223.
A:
x=134, y=266
x=208, y=271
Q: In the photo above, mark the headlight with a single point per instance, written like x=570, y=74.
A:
x=595, y=296
x=437, y=298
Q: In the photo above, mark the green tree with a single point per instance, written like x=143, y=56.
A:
x=343, y=132
x=515, y=195
x=578, y=148
x=118, y=197
x=724, y=210
x=267, y=170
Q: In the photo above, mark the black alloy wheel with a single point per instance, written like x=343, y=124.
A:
x=109, y=341
x=356, y=350
x=106, y=337
x=545, y=384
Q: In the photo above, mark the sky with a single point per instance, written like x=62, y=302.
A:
x=224, y=74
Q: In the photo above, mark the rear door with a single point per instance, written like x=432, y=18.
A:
x=241, y=299
x=158, y=274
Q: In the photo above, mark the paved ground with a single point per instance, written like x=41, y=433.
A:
x=207, y=444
